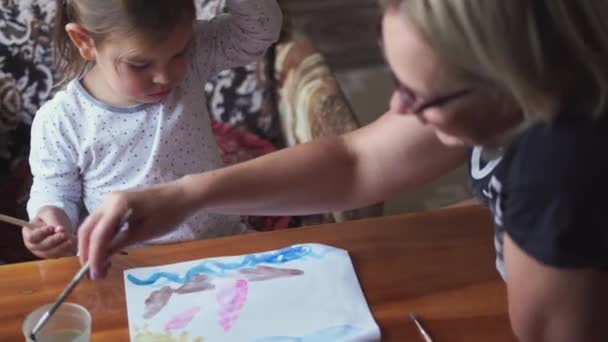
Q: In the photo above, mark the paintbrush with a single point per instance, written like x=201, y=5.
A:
x=21, y=223
x=66, y=292
x=423, y=332
x=17, y=222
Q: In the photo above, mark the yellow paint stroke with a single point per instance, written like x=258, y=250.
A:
x=145, y=335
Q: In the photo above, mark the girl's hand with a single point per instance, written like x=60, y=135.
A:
x=53, y=237
x=155, y=211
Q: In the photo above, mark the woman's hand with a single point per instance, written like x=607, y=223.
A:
x=154, y=211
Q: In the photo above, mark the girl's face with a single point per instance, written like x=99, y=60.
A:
x=460, y=112
x=137, y=70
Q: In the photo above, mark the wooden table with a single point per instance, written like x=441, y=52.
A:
x=439, y=264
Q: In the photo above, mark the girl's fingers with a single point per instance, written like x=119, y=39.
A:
x=63, y=249
x=35, y=236
x=61, y=230
x=51, y=242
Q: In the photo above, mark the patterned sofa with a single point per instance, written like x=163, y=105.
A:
x=288, y=98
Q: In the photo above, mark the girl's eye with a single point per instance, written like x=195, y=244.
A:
x=180, y=55
x=139, y=67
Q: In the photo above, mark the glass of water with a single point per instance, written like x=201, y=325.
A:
x=70, y=323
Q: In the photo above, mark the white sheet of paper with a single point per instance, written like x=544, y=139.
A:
x=300, y=293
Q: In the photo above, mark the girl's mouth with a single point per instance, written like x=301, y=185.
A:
x=161, y=94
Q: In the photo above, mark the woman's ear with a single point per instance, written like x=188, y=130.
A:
x=82, y=39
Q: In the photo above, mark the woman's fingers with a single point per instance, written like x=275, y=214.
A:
x=100, y=239
x=84, y=236
x=96, y=232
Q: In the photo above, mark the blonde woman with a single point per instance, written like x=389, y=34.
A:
x=518, y=89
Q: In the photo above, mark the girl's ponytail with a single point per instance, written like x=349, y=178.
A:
x=68, y=62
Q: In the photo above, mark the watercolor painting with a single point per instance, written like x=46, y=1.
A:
x=301, y=293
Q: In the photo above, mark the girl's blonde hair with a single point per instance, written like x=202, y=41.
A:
x=153, y=18
x=549, y=55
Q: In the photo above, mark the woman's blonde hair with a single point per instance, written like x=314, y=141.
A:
x=154, y=18
x=549, y=55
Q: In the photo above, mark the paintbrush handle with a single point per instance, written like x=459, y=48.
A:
x=66, y=292
x=17, y=222
x=62, y=297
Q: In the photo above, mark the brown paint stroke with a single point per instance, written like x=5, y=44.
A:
x=160, y=298
x=198, y=283
x=157, y=301
x=261, y=273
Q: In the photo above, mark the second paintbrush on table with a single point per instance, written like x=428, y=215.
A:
x=423, y=332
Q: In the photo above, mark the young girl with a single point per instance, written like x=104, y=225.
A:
x=133, y=112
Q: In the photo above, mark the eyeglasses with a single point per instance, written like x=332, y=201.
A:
x=410, y=102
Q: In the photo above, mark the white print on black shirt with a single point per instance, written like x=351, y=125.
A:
x=492, y=191
x=476, y=171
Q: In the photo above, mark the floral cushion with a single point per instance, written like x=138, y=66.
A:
x=237, y=146
x=26, y=79
x=26, y=75
x=242, y=97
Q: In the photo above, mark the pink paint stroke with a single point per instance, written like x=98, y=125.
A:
x=180, y=320
x=231, y=301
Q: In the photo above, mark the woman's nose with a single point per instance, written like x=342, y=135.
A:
x=396, y=106
x=395, y=103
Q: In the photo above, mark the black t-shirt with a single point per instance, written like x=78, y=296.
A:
x=548, y=190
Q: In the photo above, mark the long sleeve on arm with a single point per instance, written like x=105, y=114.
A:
x=53, y=161
x=238, y=37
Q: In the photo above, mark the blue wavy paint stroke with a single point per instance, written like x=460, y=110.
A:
x=338, y=333
x=220, y=269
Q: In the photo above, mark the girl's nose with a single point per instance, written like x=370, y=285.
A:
x=162, y=78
